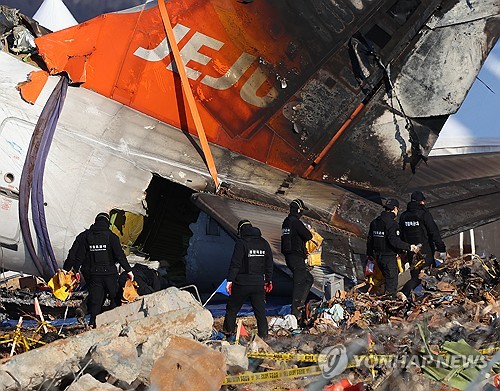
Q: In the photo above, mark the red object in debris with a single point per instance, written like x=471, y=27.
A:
x=342, y=385
x=356, y=387
x=243, y=331
x=496, y=380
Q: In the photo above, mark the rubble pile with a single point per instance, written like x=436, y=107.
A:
x=122, y=351
x=463, y=290
x=167, y=340
x=456, y=314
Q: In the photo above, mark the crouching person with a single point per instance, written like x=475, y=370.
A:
x=250, y=277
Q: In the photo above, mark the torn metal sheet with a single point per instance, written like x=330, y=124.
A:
x=292, y=87
x=462, y=190
x=336, y=253
x=312, y=107
x=24, y=42
x=450, y=70
x=31, y=89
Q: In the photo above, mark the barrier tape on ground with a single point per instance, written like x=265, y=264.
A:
x=311, y=357
x=288, y=356
x=272, y=375
x=312, y=370
x=301, y=357
x=490, y=351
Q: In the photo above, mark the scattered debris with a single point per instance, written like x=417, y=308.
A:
x=458, y=319
x=146, y=327
x=443, y=335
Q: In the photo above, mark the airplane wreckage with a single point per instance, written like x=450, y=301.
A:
x=336, y=103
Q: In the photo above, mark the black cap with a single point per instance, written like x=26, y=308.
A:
x=298, y=204
x=242, y=223
x=391, y=203
x=417, y=196
x=102, y=215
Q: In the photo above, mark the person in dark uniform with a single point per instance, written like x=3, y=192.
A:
x=70, y=262
x=418, y=227
x=383, y=244
x=250, y=276
x=147, y=279
x=96, y=252
x=294, y=236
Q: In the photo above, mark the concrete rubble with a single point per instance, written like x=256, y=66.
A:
x=188, y=365
x=236, y=357
x=126, y=347
x=88, y=383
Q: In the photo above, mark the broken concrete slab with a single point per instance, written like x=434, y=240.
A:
x=88, y=383
x=119, y=357
x=7, y=381
x=188, y=365
x=170, y=299
x=236, y=357
x=186, y=317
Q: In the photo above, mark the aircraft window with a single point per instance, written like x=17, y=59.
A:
x=378, y=36
x=403, y=9
x=9, y=177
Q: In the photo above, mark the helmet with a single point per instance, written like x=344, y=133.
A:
x=298, y=204
x=417, y=196
x=242, y=223
x=102, y=215
x=391, y=203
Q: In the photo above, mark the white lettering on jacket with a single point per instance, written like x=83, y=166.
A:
x=97, y=247
x=256, y=253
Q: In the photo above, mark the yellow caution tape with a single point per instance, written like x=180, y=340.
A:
x=288, y=356
x=301, y=357
x=272, y=375
x=489, y=351
x=312, y=357
x=312, y=370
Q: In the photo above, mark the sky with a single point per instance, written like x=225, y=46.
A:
x=477, y=122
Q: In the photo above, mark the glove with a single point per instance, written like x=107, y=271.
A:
x=229, y=286
x=268, y=286
x=415, y=248
x=130, y=276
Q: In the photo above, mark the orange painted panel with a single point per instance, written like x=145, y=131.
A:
x=125, y=56
x=31, y=89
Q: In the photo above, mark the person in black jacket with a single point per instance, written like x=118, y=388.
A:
x=383, y=244
x=418, y=227
x=294, y=236
x=147, y=279
x=70, y=262
x=250, y=276
x=96, y=251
